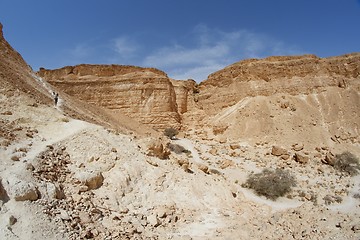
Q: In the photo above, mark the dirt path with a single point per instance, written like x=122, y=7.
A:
x=56, y=132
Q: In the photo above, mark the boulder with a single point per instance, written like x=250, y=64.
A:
x=20, y=190
x=203, y=168
x=91, y=179
x=329, y=159
x=300, y=158
x=3, y=194
x=54, y=191
x=278, y=151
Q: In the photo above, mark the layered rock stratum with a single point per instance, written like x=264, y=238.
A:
x=145, y=94
x=96, y=166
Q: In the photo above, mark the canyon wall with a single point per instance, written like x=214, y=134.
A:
x=290, y=74
x=285, y=99
x=145, y=94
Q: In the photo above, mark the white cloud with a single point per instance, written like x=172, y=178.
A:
x=81, y=51
x=214, y=49
x=125, y=46
x=205, y=51
x=179, y=55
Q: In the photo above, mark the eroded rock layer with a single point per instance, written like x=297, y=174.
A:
x=286, y=98
x=145, y=94
x=264, y=77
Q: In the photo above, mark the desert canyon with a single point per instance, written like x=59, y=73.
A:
x=98, y=165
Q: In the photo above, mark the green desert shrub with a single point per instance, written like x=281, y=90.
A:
x=347, y=162
x=271, y=183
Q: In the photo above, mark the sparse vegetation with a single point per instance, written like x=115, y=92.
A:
x=65, y=119
x=356, y=196
x=347, y=162
x=171, y=132
x=178, y=149
x=332, y=199
x=271, y=183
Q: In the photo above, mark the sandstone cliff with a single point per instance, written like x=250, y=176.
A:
x=314, y=99
x=145, y=94
x=291, y=74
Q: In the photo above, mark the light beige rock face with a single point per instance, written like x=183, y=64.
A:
x=264, y=77
x=145, y=94
x=184, y=94
x=314, y=99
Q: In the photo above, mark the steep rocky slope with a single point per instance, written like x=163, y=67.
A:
x=18, y=78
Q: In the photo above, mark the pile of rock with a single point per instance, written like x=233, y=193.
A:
x=52, y=164
x=83, y=218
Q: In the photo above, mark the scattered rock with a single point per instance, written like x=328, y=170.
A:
x=153, y=220
x=21, y=190
x=149, y=161
x=213, y=151
x=356, y=228
x=84, y=217
x=54, y=191
x=215, y=171
x=181, y=162
x=278, y=151
x=6, y=113
x=285, y=156
x=92, y=179
x=329, y=159
x=300, y=158
x=64, y=215
x=158, y=150
x=298, y=147
x=203, y=168
x=161, y=212
x=30, y=167
x=226, y=163
x=234, y=146
x=15, y=158
x=12, y=220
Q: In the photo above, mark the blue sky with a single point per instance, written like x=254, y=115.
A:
x=184, y=38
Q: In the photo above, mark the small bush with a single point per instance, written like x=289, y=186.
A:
x=170, y=132
x=347, y=162
x=271, y=183
x=332, y=199
x=178, y=149
x=356, y=196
